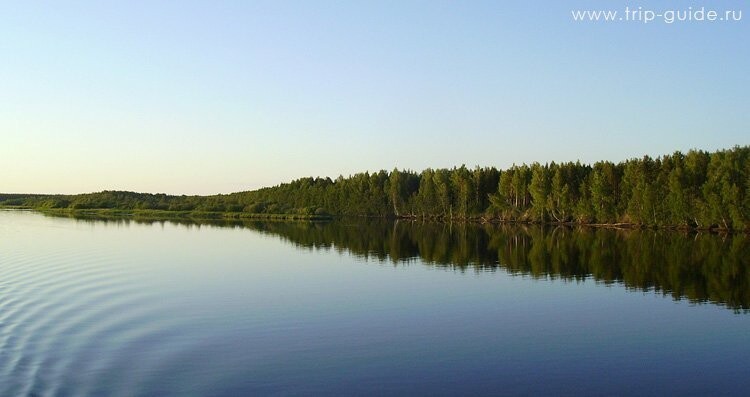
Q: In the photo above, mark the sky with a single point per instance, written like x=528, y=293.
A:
x=189, y=97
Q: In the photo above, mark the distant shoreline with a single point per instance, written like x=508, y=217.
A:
x=697, y=190
x=159, y=215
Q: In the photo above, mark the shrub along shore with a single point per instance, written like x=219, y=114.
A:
x=157, y=215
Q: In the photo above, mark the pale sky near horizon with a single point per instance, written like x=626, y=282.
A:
x=216, y=97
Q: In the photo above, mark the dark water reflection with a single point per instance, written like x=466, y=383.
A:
x=700, y=267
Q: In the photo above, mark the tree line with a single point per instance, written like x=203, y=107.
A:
x=697, y=189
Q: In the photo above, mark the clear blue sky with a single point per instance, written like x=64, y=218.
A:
x=214, y=97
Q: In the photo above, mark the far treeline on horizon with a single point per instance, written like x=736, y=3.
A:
x=693, y=190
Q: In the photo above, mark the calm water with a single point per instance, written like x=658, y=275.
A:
x=90, y=307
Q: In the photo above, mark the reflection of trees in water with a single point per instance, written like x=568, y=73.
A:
x=701, y=267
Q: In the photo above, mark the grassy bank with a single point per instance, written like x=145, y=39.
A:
x=167, y=215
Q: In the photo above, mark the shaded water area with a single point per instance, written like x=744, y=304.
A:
x=123, y=307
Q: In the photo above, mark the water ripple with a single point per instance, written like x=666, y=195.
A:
x=67, y=314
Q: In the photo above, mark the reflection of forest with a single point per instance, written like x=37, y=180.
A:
x=701, y=267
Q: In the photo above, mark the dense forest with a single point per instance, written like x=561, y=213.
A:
x=698, y=189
